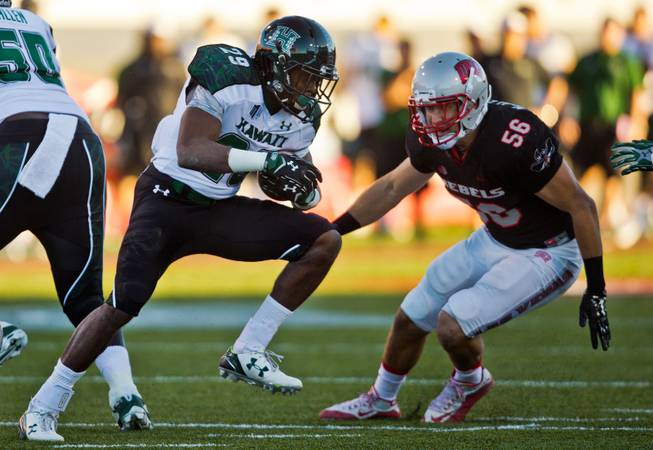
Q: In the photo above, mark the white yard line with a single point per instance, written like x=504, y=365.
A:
x=167, y=445
x=333, y=427
x=559, y=419
x=554, y=384
x=283, y=436
x=630, y=410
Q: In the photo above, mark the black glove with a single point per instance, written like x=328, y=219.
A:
x=592, y=309
x=282, y=189
x=293, y=171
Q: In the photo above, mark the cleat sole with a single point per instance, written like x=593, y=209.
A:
x=236, y=377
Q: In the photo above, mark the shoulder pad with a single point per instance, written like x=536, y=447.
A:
x=216, y=67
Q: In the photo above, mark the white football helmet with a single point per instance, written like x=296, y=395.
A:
x=442, y=80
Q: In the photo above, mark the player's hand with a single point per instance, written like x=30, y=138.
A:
x=593, y=310
x=293, y=170
x=633, y=156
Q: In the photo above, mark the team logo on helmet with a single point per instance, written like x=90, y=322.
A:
x=464, y=69
x=284, y=37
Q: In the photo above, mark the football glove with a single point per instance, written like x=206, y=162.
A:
x=281, y=190
x=635, y=155
x=293, y=171
x=593, y=310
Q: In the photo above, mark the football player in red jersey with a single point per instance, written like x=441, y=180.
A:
x=540, y=227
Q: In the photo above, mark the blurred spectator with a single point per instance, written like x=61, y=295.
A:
x=366, y=58
x=211, y=32
x=389, y=150
x=30, y=5
x=475, y=47
x=608, y=85
x=514, y=76
x=391, y=130
x=557, y=56
x=553, y=51
x=638, y=41
x=147, y=90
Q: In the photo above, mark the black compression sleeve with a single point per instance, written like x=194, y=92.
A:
x=594, y=273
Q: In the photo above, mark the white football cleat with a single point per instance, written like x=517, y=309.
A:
x=259, y=369
x=130, y=412
x=456, y=399
x=12, y=341
x=39, y=426
x=366, y=406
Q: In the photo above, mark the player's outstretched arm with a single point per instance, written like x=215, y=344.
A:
x=564, y=192
x=381, y=196
x=632, y=156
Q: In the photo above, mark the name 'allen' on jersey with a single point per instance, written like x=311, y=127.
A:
x=513, y=156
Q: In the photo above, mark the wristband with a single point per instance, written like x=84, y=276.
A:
x=594, y=273
x=346, y=223
x=246, y=161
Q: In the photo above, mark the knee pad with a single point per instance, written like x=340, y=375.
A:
x=421, y=308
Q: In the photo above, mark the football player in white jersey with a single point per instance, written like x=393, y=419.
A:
x=52, y=180
x=236, y=114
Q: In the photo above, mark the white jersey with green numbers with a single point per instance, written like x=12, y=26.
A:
x=29, y=71
x=224, y=83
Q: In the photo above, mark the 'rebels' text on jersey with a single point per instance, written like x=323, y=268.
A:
x=513, y=156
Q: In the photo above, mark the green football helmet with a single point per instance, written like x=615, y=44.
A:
x=296, y=58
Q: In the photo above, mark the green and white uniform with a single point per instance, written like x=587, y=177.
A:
x=52, y=171
x=29, y=71
x=224, y=83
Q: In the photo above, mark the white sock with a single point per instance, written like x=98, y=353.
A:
x=262, y=326
x=472, y=376
x=114, y=366
x=57, y=390
x=387, y=384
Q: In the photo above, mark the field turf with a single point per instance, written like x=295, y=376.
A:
x=552, y=390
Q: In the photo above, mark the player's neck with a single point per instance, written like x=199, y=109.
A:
x=464, y=144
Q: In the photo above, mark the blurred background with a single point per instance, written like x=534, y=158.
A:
x=585, y=67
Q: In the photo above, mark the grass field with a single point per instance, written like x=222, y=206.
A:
x=552, y=390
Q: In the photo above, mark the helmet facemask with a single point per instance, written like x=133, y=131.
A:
x=439, y=121
x=304, y=88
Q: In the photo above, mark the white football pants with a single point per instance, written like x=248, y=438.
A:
x=482, y=283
